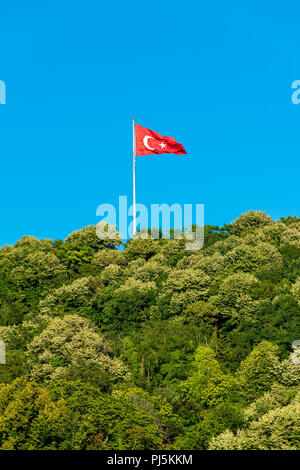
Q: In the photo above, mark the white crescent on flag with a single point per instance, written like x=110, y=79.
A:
x=145, y=142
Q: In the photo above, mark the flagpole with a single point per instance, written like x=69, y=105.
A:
x=133, y=154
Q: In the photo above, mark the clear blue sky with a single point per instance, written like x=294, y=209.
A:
x=215, y=75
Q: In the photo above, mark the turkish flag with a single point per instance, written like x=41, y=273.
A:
x=148, y=142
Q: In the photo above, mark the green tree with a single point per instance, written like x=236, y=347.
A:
x=29, y=419
x=161, y=352
x=250, y=220
x=124, y=306
x=68, y=342
x=259, y=370
x=279, y=429
x=208, y=385
x=77, y=251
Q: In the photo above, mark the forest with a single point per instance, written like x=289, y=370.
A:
x=147, y=345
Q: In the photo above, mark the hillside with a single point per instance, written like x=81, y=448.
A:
x=150, y=346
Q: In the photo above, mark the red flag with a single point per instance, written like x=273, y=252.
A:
x=148, y=142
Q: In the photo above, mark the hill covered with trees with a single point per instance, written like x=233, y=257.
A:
x=151, y=346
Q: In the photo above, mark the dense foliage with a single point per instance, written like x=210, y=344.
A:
x=150, y=346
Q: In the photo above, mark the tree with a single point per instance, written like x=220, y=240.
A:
x=208, y=385
x=277, y=397
x=27, y=272
x=161, y=352
x=259, y=370
x=212, y=265
x=141, y=248
x=234, y=298
x=127, y=419
x=148, y=271
x=125, y=305
x=203, y=314
x=68, y=342
x=104, y=258
x=29, y=419
x=80, y=246
x=88, y=237
x=183, y=287
x=279, y=429
x=69, y=298
x=250, y=220
x=252, y=259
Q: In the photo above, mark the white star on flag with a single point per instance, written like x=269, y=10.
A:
x=162, y=145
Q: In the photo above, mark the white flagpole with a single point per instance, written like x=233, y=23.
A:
x=134, y=203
